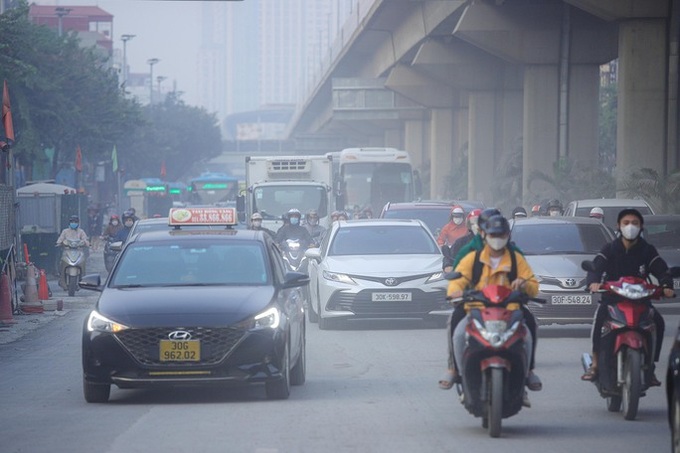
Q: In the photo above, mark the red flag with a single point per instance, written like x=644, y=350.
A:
x=7, y=115
x=163, y=171
x=79, y=159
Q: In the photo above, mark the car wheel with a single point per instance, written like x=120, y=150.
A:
x=299, y=372
x=96, y=393
x=280, y=388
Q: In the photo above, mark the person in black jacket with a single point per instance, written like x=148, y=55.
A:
x=627, y=255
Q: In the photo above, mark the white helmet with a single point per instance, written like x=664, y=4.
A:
x=597, y=213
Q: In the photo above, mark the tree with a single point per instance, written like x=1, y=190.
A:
x=175, y=133
x=661, y=191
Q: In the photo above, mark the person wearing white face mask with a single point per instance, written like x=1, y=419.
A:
x=500, y=265
x=454, y=229
x=629, y=255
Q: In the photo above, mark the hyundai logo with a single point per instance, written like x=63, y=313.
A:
x=391, y=281
x=179, y=335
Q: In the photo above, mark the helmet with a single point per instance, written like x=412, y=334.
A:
x=133, y=211
x=519, y=211
x=457, y=210
x=256, y=216
x=597, y=213
x=472, y=219
x=497, y=224
x=554, y=204
x=114, y=217
x=536, y=210
x=335, y=214
x=74, y=218
x=294, y=212
x=128, y=213
x=312, y=213
x=630, y=211
x=343, y=214
x=485, y=215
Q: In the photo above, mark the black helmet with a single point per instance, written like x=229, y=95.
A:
x=519, y=211
x=630, y=211
x=497, y=224
x=554, y=203
x=485, y=215
x=74, y=218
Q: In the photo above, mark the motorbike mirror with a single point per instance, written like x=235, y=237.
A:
x=116, y=246
x=93, y=282
x=313, y=254
x=452, y=275
x=295, y=279
x=588, y=266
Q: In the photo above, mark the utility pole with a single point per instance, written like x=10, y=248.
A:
x=60, y=11
x=151, y=62
x=125, y=39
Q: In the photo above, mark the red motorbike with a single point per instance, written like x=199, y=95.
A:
x=628, y=342
x=493, y=349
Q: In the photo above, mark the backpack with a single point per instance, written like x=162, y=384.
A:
x=478, y=266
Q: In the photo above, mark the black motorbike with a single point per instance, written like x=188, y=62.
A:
x=111, y=250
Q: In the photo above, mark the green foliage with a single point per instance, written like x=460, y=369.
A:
x=607, y=126
x=661, y=191
x=176, y=133
x=572, y=181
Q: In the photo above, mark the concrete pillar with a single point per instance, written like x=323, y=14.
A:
x=482, y=143
x=441, y=151
x=541, y=100
x=641, y=122
x=584, y=92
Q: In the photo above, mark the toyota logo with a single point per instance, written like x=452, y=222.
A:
x=179, y=335
x=571, y=282
x=391, y=281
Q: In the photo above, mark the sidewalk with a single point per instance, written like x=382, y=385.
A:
x=83, y=300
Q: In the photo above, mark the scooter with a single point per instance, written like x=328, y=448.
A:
x=72, y=264
x=110, y=253
x=493, y=350
x=626, y=364
x=294, y=255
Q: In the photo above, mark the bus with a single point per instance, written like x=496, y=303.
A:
x=213, y=189
x=371, y=177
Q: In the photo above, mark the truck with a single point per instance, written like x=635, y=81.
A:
x=276, y=184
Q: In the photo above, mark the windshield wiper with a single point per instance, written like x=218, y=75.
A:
x=132, y=285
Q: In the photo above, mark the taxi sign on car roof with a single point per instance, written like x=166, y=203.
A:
x=202, y=216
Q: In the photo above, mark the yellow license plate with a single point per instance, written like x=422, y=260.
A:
x=180, y=351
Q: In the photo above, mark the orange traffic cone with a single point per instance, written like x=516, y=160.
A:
x=31, y=304
x=43, y=291
x=5, y=301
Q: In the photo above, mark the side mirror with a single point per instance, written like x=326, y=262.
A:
x=93, y=282
x=116, y=246
x=452, y=275
x=241, y=203
x=295, y=279
x=313, y=253
x=588, y=266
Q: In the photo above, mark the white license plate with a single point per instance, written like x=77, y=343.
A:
x=676, y=283
x=581, y=299
x=391, y=297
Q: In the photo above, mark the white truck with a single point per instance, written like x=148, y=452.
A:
x=275, y=184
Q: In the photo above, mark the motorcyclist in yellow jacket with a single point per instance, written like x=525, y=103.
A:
x=497, y=268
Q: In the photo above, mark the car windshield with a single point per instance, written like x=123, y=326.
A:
x=191, y=264
x=383, y=240
x=559, y=238
x=664, y=234
x=434, y=218
x=611, y=213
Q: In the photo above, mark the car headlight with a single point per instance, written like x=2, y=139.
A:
x=341, y=278
x=437, y=276
x=270, y=318
x=99, y=323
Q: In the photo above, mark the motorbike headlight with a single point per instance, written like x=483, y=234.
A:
x=99, y=323
x=495, y=332
x=341, y=278
x=270, y=318
x=437, y=276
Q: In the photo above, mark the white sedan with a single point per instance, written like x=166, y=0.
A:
x=380, y=268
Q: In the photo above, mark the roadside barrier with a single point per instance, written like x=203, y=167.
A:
x=5, y=301
x=43, y=290
x=31, y=303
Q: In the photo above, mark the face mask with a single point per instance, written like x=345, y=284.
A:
x=457, y=220
x=496, y=243
x=257, y=223
x=129, y=224
x=73, y=225
x=554, y=213
x=114, y=222
x=294, y=220
x=630, y=231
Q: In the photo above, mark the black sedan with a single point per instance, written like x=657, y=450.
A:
x=194, y=307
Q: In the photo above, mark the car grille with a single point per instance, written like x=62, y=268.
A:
x=216, y=343
x=360, y=303
x=564, y=312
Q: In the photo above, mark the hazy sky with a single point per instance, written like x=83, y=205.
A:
x=167, y=30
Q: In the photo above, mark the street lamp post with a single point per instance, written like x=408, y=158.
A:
x=151, y=62
x=160, y=79
x=60, y=11
x=125, y=39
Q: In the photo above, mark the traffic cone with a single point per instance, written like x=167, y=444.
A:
x=43, y=291
x=31, y=303
x=5, y=301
